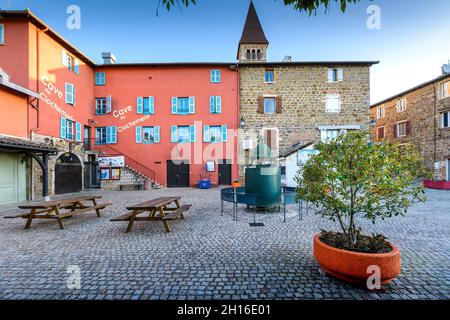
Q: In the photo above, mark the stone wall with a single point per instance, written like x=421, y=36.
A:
x=303, y=90
x=423, y=108
x=127, y=178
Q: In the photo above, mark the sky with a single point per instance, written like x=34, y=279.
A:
x=411, y=45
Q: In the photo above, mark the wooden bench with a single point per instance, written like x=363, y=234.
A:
x=126, y=216
x=82, y=210
x=177, y=213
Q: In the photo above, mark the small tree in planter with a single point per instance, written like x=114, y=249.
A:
x=350, y=179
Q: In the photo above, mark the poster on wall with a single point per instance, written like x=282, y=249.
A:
x=105, y=174
x=210, y=166
x=107, y=162
x=115, y=174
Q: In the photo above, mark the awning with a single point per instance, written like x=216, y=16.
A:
x=17, y=144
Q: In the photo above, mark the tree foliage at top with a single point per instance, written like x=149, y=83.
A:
x=309, y=6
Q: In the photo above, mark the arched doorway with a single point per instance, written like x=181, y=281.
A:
x=68, y=174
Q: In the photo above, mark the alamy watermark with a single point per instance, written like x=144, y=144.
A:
x=73, y=22
x=374, y=19
x=74, y=278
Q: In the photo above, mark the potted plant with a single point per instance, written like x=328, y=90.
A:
x=236, y=184
x=351, y=179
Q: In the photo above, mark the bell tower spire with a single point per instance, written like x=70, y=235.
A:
x=253, y=44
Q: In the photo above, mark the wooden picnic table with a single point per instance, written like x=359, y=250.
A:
x=159, y=209
x=53, y=209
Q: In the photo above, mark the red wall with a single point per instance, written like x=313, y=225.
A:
x=125, y=84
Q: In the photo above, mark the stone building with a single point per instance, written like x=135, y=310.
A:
x=419, y=116
x=284, y=103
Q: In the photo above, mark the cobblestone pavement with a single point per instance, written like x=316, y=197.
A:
x=208, y=256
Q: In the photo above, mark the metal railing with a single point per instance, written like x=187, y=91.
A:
x=110, y=150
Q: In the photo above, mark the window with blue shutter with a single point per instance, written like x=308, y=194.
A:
x=2, y=34
x=63, y=128
x=215, y=104
x=215, y=76
x=138, y=134
x=151, y=105
x=100, y=135
x=100, y=106
x=140, y=105
x=215, y=134
x=70, y=93
x=146, y=108
x=174, y=105
x=173, y=134
x=76, y=66
x=111, y=135
x=157, y=132
x=191, y=105
x=192, y=133
x=148, y=105
x=108, y=104
x=78, y=132
x=70, y=126
x=224, y=133
x=184, y=134
x=100, y=78
x=206, y=134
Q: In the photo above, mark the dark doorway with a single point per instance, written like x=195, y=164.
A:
x=91, y=173
x=178, y=174
x=68, y=174
x=224, y=173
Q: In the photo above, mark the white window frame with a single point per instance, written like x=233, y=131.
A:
x=343, y=129
x=333, y=97
x=444, y=89
x=401, y=105
x=337, y=75
x=398, y=127
x=381, y=112
x=2, y=34
x=443, y=115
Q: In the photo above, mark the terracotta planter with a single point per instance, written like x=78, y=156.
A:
x=352, y=266
x=236, y=184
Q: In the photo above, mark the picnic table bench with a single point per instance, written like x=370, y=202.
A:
x=156, y=210
x=53, y=209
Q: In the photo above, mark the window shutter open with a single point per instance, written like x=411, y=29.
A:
x=191, y=105
x=279, y=107
x=63, y=128
x=111, y=135
x=140, y=105
x=151, y=102
x=192, y=133
x=212, y=104
x=408, y=128
x=219, y=104
x=138, y=134
x=77, y=66
x=64, y=58
x=260, y=105
x=224, y=133
x=174, y=105
x=108, y=104
x=206, y=137
x=157, y=134
x=173, y=134
x=78, y=132
x=340, y=74
x=330, y=74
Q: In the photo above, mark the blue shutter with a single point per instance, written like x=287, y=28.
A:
x=73, y=95
x=212, y=104
x=219, y=104
x=224, y=133
x=114, y=134
x=77, y=66
x=212, y=76
x=157, y=134
x=97, y=77
x=191, y=105
x=108, y=135
x=173, y=134
x=140, y=105
x=206, y=136
x=174, y=105
x=63, y=128
x=108, y=104
x=78, y=132
x=217, y=75
x=138, y=134
x=111, y=135
x=151, y=102
x=192, y=133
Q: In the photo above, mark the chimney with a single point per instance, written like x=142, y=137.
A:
x=287, y=59
x=108, y=58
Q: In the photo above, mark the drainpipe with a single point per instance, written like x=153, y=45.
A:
x=434, y=124
x=238, y=94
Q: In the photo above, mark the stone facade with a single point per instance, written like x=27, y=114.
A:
x=128, y=180
x=423, y=114
x=303, y=89
x=243, y=48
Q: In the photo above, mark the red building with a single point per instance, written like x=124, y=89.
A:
x=151, y=114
